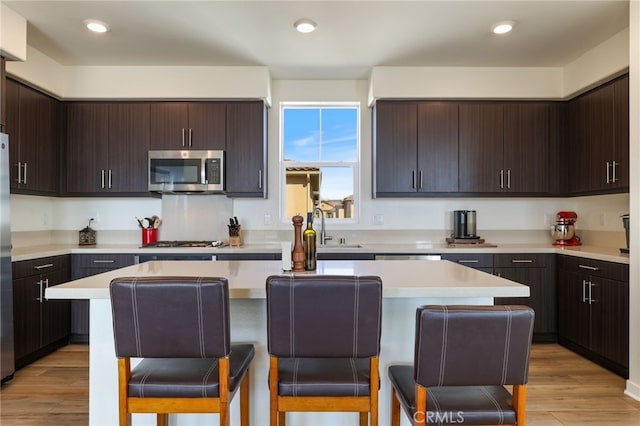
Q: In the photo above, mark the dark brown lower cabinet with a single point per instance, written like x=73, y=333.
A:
x=40, y=325
x=593, y=311
x=86, y=265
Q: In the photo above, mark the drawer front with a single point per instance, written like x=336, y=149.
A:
x=471, y=260
x=112, y=261
x=597, y=268
x=43, y=265
x=519, y=260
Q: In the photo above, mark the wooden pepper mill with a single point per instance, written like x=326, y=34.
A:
x=298, y=252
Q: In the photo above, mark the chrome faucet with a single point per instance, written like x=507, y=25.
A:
x=323, y=236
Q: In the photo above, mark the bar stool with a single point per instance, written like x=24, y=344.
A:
x=464, y=356
x=180, y=326
x=323, y=335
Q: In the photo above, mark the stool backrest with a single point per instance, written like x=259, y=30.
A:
x=472, y=345
x=170, y=317
x=324, y=316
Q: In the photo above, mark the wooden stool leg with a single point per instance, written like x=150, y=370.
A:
x=395, y=408
x=161, y=419
x=273, y=391
x=244, y=400
x=282, y=418
x=364, y=419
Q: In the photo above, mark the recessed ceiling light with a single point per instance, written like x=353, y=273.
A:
x=96, y=26
x=502, y=27
x=305, y=25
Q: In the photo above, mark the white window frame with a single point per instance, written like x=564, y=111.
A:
x=356, y=165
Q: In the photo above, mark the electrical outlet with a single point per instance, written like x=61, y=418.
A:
x=603, y=219
x=267, y=219
x=548, y=218
x=95, y=216
x=378, y=219
x=45, y=219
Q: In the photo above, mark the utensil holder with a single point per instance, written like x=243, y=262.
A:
x=149, y=235
x=235, y=237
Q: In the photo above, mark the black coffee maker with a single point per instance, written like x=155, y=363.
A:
x=464, y=224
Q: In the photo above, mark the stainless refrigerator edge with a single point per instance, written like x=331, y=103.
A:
x=7, y=366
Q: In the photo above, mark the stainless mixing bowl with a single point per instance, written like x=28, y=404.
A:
x=562, y=232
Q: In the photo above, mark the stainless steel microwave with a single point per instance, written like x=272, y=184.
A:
x=186, y=171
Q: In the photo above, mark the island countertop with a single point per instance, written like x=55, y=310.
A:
x=401, y=279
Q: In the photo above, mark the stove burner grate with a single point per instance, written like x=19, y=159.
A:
x=187, y=244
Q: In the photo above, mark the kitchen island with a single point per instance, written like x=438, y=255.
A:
x=406, y=285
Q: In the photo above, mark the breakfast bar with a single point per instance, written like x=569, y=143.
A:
x=406, y=285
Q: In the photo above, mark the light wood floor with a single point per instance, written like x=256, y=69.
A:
x=564, y=389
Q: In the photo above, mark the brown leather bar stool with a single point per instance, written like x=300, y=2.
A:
x=464, y=356
x=323, y=335
x=180, y=326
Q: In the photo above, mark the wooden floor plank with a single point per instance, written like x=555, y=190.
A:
x=564, y=390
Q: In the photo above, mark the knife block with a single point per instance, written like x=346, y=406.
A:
x=235, y=237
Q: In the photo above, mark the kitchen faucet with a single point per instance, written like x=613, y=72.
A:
x=323, y=236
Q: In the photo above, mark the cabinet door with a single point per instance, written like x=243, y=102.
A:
x=12, y=128
x=246, y=156
x=87, y=147
x=600, y=126
x=128, y=148
x=526, y=147
x=26, y=315
x=610, y=319
x=573, y=312
x=481, y=147
x=437, y=147
x=56, y=314
x=534, y=278
x=207, y=126
x=169, y=125
x=39, y=148
x=395, y=148
x=620, y=174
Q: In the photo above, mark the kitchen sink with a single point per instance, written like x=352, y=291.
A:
x=339, y=246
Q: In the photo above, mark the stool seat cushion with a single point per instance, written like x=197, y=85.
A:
x=323, y=377
x=187, y=377
x=472, y=405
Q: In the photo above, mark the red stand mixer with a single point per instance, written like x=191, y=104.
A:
x=564, y=231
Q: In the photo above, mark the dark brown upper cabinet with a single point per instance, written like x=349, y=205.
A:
x=107, y=148
x=33, y=126
x=598, y=134
x=246, y=152
x=415, y=148
x=181, y=125
x=504, y=147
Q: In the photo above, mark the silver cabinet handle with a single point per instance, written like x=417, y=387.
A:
x=613, y=175
x=584, y=291
x=44, y=266
x=110, y=179
x=183, y=136
x=104, y=261
x=19, y=180
x=608, y=164
x=468, y=261
x=413, y=179
x=591, y=299
x=420, y=179
x=40, y=284
x=590, y=268
x=509, y=179
x=260, y=179
x=521, y=261
x=24, y=174
x=190, y=137
x=501, y=179
x=102, y=178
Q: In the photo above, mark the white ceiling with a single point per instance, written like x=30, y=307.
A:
x=352, y=36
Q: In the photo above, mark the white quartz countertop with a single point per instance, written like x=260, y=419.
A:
x=591, y=252
x=401, y=279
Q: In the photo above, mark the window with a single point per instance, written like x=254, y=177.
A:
x=320, y=151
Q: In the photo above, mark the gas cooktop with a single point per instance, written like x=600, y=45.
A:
x=185, y=244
